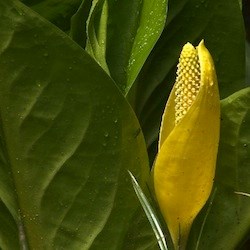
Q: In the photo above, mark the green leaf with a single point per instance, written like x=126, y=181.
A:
x=57, y=12
x=220, y=24
x=133, y=27
x=67, y=138
x=152, y=21
x=150, y=213
x=97, y=32
x=228, y=222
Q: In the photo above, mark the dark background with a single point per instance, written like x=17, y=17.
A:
x=246, y=15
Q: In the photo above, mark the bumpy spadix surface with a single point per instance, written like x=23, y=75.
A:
x=185, y=165
x=187, y=81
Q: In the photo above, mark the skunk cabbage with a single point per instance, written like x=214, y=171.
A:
x=184, y=168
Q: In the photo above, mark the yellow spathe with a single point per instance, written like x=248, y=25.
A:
x=185, y=165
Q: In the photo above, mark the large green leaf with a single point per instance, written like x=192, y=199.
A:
x=67, y=138
x=227, y=222
x=133, y=27
x=220, y=23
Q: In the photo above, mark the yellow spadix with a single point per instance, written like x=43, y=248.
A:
x=185, y=165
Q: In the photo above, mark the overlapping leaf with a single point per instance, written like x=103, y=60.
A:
x=57, y=12
x=96, y=29
x=78, y=27
x=133, y=27
x=151, y=214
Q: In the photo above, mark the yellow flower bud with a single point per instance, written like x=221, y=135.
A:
x=184, y=168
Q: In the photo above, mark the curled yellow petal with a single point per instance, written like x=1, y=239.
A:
x=185, y=165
